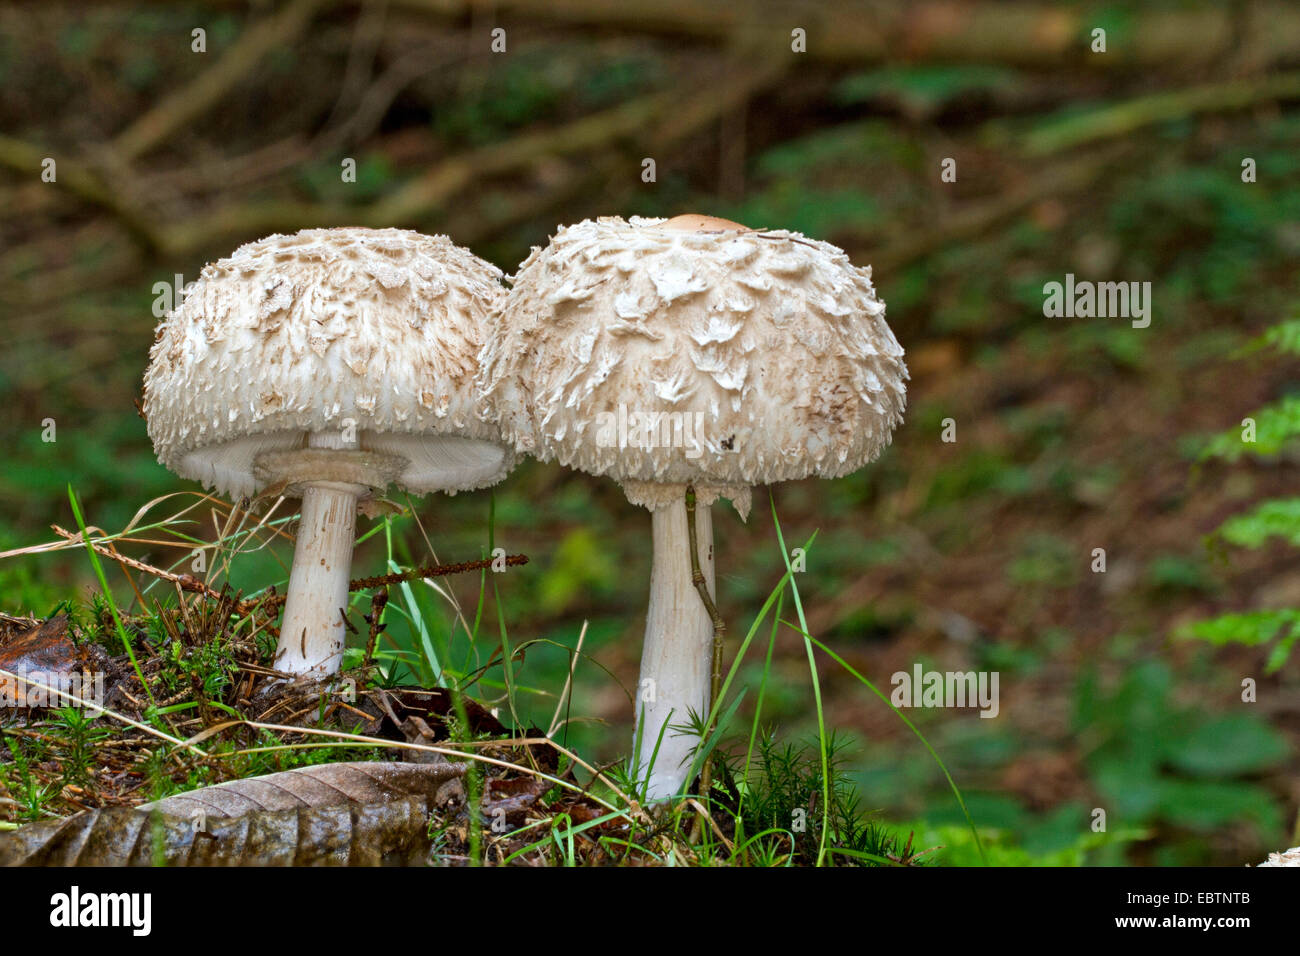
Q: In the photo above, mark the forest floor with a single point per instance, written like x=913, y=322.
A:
x=1072, y=435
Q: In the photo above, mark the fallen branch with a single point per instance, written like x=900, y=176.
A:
x=207, y=89
x=1121, y=119
x=83, y=182
x=977, y=220
x=1110, y=122
x=863, y=32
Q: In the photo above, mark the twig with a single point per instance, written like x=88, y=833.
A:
x=1124, y=118
x=97, y=709
x=377, y=604
x=83, y=182
x=431, y=571
x=719, y=629
x=865, y=33
x=977, y=220
x=207, y=89
x=436, y=190
x=701, y=585
x=187, y=582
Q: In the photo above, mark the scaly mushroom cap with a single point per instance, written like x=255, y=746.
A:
x=296, y=334
x=769, y=347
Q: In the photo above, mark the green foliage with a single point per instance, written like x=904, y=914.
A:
x=323, y=180
x=924, y=88
x=977, y=473
x=1283, y=337
x=1251, y=628
x=1279, y=518
x=1176, y=572
x=1002, y=848
x=536, y=83
x=783, y=799
x=207, y=666
x=813, y=184
x=109, y=458
x=77, y=732
x=1044, y=560
x=803, y=208
x=30, y=793
x=1157, y=762
x=1226, y=746
x=1197, y=226
x=24, y=586
x=839, y=145
x=578, y=567
x=1275, y=426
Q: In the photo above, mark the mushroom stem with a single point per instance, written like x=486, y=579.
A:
x=677, y=656
x=313, y=631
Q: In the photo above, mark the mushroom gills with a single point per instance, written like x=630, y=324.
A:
x=441, y=462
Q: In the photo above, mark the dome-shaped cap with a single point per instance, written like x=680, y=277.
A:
x=298, y=334
x=694, y=350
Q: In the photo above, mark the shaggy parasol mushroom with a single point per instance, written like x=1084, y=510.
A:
x=691, y=353
x=1289, y=857
x=327, y=365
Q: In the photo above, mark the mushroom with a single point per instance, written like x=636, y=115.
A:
x=691, y=353
x=326, y=365
x=1289, y=857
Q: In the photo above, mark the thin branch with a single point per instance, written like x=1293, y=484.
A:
x=84, y=183
x=979, y=219
x=187, y=582
x=719, y=629
x=664, y=114
x=207, y=89
x=862, y=32
x=1122, y=119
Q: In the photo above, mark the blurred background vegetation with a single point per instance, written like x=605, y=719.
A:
x=1072, y=434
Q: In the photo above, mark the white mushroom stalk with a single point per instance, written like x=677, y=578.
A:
x=326, y=366
x=313, y=630
x=673, y=690
x=691, y=351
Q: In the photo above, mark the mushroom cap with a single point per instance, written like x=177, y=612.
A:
x=1289, y=857
x=294, y=335
x=770, y=348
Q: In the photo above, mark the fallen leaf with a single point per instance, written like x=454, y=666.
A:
x=46, y=654
x=343, y=814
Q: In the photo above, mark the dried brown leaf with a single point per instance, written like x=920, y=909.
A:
x=343, y=814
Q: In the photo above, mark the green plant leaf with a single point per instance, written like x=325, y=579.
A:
x=1208, y=805
x=1229, y=745
x=1279, y=518
x=1284, y=337
x=1249, y=627
x=1133, y=790
x=1275, y=425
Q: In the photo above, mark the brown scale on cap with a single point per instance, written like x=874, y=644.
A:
x=766, y=352
x=774, y=344
x=694, y=222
